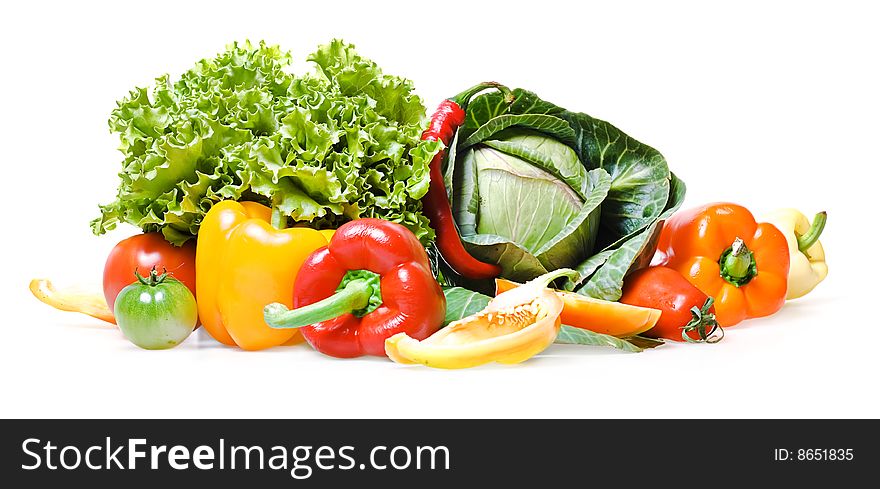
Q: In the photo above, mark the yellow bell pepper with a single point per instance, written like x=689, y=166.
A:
x=515, y=326
x=243, y=263
x=808, y=266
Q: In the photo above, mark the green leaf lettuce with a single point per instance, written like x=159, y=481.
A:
x=325, y=148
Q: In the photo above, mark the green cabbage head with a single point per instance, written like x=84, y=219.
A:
x=529, y=197
x=535, y=187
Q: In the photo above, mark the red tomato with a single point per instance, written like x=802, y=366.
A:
x=665, y=289
x=143, y=252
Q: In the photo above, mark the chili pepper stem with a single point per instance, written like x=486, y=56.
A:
x=354, y=296
x=464, y=97
x=805, y=241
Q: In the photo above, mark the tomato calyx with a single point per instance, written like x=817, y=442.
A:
x=154, y=278
x=702, y=321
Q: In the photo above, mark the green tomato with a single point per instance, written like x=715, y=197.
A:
x=156, y=313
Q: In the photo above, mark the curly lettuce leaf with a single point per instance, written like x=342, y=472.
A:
x=324, y=148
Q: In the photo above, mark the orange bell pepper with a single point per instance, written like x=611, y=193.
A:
x=725, y=253
x=243, y=263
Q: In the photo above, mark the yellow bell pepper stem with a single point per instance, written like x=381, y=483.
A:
x=805, y=241
x=808, y=267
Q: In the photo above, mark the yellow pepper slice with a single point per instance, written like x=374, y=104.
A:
x=72, y=300
x=515, y=326
x=244, y=263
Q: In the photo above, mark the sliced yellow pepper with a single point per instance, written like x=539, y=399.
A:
x=244, y=263
x=515, y=326
x=72, y=300
x=808, y=266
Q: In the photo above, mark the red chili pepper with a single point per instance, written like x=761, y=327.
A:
x=448, y=117
x=371, y=282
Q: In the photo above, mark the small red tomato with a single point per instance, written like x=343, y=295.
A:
x=687, y=314
x=144, y=252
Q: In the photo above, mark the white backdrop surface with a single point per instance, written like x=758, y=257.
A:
x=767, y=104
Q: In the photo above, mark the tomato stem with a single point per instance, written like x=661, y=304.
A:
x=154, y=278
x=702, y=320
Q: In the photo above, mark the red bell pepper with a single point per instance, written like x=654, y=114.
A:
x=371, y=282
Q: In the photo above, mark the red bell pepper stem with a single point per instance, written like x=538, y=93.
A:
x=448, y=117
x=353, y=297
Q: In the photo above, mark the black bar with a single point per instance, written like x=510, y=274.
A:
x=515, y=453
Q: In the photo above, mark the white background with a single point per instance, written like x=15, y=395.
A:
x=768, y=104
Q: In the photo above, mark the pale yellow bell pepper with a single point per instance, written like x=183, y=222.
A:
x=808, y=266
